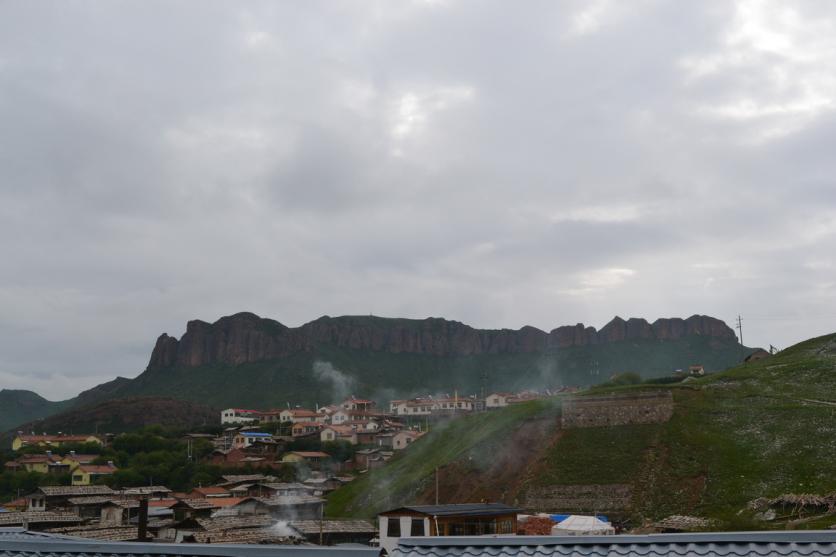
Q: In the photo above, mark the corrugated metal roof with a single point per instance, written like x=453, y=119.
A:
x=19, y=543
x=744, y=544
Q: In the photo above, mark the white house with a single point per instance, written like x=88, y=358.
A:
x=403, y=439
x=338, y=433
x=239, y=416
x=497, y=400
x=296, y=415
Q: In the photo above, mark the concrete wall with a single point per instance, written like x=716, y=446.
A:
x=587, y=498
x=614, y=410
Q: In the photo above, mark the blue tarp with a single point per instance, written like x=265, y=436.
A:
x=562, y=517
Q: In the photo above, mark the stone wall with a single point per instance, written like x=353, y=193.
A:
x=570, y=498
x=615, y=410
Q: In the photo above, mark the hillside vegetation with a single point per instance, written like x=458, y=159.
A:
x=758, y=430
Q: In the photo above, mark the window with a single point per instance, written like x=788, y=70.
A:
x=393, y=527
x=78, y=478
x=417, y=527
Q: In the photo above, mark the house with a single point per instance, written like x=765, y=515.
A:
x=696, y=370
x=497, y=400
x=54, y=497
x=333, y=532
x=277, y=489
x=301, y=429
x=246, y=438
x=74, y=460
x=361, y=458
x=476, y=519
x=119, y=512
x=403, y=439
x=47, y=463
x=291, y=507
x=51, y=441
x=314, y=459
x=334, y=433
x=295, y=415
x=239, y=416
x=210, y=491
x=152, y=492
x=88, y=474
x=37, y=520
x=385, y=440
x=358, y=404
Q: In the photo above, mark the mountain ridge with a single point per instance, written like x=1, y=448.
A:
x=246, y=338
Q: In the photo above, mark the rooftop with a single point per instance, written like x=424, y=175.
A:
x=15, y=542
x=710, y=544
x=70, y=490
x=465, y=509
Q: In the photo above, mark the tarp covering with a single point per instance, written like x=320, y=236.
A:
x=577, y=525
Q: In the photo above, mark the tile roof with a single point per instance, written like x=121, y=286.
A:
x=37, y=517
x=289, y=500
x=714, y=544
x=236, y=522
x=113, y=533
x=70, y=490
x=309, y=527
x=147, y=490
x=245, y=535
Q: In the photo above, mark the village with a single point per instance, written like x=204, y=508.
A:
x=291, y=463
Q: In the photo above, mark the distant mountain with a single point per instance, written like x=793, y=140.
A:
x=18, y=406
x=247, y=360
x=126, y=414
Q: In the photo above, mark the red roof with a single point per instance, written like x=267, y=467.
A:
x=97, y=468
x=211, y=490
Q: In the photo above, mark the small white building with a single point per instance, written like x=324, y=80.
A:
x=403, y=439
x=239, y=416
x=497, y=400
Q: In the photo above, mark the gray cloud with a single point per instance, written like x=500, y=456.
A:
x=543, y=165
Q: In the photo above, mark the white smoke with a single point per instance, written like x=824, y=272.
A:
x=341, y=384
x=282, y=528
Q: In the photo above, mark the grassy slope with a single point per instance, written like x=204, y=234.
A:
x=384, y=375
x=735, y=436
x=17, y=407
x=410, y=472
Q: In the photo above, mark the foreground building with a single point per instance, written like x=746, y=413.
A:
x=468, y=519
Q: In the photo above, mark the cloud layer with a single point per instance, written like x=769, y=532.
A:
x=539, y=164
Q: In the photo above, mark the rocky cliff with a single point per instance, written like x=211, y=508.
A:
x=247, y=338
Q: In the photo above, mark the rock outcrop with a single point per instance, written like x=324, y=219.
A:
x=246, y=337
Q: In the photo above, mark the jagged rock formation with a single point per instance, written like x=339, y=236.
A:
x=246, y=337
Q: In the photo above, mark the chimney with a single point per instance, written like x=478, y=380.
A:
x=142, y=526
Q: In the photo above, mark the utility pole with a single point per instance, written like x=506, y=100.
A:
x=740, y=328
x=436, y=485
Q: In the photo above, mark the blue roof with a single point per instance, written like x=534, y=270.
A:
x=254, y=434
x=818, y=543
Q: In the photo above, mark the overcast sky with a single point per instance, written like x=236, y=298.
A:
x=502, y=164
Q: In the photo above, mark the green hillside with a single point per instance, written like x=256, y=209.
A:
x=384, y=375
x=757, y=430
x=18, y=406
